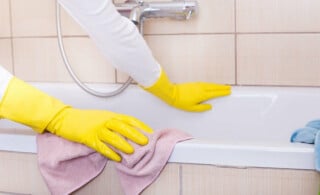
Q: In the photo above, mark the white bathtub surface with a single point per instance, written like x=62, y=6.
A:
x=250, y=128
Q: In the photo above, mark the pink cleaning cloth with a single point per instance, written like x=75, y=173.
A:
x=66, y=166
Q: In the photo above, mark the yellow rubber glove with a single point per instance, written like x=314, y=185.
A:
x=187, y=96
x=95, y=128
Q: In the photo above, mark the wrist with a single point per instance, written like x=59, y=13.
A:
x=163, y=88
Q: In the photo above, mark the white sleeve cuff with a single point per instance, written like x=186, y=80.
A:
x=5, y=78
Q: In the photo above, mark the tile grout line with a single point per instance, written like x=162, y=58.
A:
x=180, y=180
x=186, y=34
x=11, y=37
x=235, y=44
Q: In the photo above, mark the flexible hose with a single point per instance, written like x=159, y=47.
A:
x=71, y=72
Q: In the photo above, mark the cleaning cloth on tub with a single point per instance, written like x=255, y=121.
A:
x=66, y=166
x=310, y=134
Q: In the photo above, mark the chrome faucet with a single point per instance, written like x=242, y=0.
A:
x=138, y=10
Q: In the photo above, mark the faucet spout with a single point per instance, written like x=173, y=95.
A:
x=176, y=9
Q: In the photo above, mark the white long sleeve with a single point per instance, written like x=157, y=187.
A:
x=117, y=37
x=5, y=78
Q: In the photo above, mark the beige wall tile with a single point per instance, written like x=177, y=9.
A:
x=282, y=181
x=20, y=174
x=4, y=18
x=107, y=183
x=33, y=18
x=5, y=54
x=207, y=58
x=278, y=15
x=282, y=59
x=87, y=61
x=69, y=26
x=167, y=183
x=39, y=59
x=215, y=16
x=212, y=180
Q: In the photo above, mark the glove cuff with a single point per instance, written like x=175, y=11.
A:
x=27, y=105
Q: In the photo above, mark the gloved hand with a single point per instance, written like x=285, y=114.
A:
x=187, y=96
x=95, y=128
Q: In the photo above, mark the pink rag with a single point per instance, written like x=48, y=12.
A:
x=66, y=166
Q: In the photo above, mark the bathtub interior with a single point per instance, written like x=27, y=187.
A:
x=249, y=115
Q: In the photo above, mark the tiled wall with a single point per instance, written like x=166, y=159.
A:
x=175, y=179
x=239, y=42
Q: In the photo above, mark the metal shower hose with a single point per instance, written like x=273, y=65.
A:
x=71, y=72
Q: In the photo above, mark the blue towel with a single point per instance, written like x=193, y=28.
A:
x=310, y=134
x=317, y=151
x=314, y=124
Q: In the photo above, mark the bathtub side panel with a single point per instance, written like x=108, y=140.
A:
x=207, y=179
x=20, y=174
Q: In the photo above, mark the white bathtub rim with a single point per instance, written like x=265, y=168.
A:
x=299, y=156
x=198, y=152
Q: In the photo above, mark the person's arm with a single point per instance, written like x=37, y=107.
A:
x=98, y=129
x=120, y=41
x=116, y=37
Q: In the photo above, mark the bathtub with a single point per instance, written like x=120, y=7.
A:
x=250, y=128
